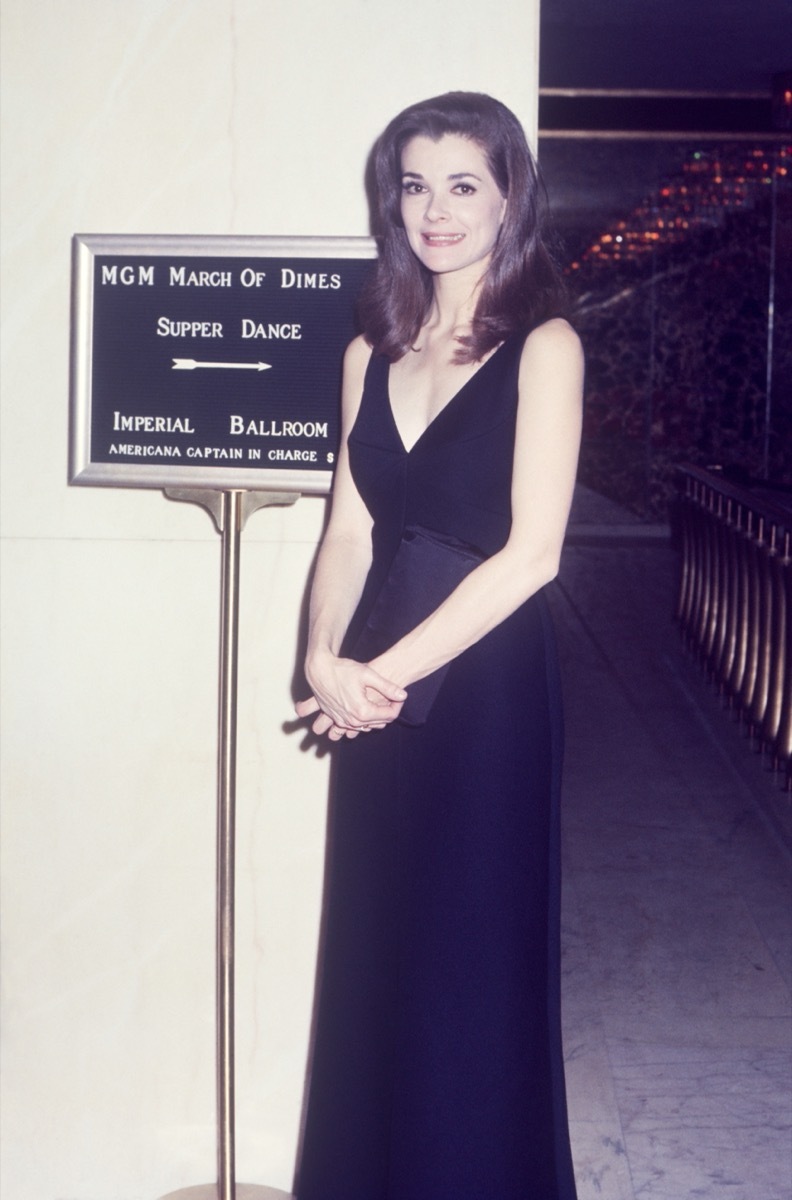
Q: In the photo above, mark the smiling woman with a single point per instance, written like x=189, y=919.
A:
x=437, y=1068
x=521, y=287
x=452, y=208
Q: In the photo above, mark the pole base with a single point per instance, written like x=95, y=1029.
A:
x=242, y=1191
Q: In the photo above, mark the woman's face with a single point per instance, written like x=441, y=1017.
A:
x=451, y=206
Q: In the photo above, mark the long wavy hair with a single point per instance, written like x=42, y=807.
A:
x=522, y=286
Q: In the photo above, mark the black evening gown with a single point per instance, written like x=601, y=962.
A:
x=437, y=1070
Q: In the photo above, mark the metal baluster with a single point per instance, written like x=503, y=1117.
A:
x=716, y=600
x=697, y=563
x=735, y=681
x=777, y=647
x=764, y=634
x=783, y=740
x=684, y=504
x=751, y=677
x=731, y=533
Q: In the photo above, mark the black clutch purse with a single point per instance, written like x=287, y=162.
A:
x=425, y=570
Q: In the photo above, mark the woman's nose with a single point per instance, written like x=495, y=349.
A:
x=436, y=210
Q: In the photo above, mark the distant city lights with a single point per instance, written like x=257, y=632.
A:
x=710, y=184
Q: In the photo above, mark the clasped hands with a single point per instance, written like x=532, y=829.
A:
x=349, y=697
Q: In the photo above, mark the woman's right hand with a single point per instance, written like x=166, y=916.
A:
x=349, y=697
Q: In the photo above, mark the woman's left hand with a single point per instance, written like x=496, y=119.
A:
x=349, y=697
x=324, y=724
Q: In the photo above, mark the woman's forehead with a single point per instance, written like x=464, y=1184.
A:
x=453, y=153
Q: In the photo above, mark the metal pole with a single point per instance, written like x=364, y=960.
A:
x=230, y=511
x=226, y=790
x=768, y=413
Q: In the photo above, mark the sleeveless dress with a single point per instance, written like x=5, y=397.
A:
x=437, y=1070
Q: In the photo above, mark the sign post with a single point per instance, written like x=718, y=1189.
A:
x=230, y=511
x=211, y=368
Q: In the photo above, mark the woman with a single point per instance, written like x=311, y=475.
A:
x=437, y=1069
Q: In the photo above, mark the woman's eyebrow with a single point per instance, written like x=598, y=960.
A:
x=456, y=175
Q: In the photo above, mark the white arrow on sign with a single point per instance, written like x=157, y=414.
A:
x=189, y=364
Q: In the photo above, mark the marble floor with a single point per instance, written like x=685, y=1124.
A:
x=677, y=937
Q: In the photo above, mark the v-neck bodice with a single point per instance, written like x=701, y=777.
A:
x=460, y=390
x=456, y=477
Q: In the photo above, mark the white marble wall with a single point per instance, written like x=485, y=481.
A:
x=168, y=116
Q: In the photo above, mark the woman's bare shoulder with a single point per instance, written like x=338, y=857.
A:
x=552, y=365
x=356, y=360
x=357, y=354
x=555, y=336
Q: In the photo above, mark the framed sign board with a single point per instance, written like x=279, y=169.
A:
x=210, y=361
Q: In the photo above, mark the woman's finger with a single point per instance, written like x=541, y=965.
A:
x=379, y=684
x=304, y=708
x=322, y=724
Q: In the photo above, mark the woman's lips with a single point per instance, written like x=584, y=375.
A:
x=442, y=239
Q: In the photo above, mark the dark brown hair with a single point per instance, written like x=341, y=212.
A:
x=522, y=287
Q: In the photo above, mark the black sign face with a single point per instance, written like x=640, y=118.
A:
x=211, y=362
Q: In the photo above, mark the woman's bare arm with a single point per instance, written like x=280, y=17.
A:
x=346, y=695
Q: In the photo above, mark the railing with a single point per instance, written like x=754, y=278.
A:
x=735, y=601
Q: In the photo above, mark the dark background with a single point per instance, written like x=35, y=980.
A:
x=671, y=193
x=693, y=45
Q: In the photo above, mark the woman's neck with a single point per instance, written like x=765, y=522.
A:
x=455, y=297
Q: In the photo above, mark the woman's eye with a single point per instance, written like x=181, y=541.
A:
x=411, y=188
x=465, y=189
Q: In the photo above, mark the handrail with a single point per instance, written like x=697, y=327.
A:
x=742, y=493
x=735, y=600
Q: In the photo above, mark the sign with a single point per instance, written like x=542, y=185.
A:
x=210, y=362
